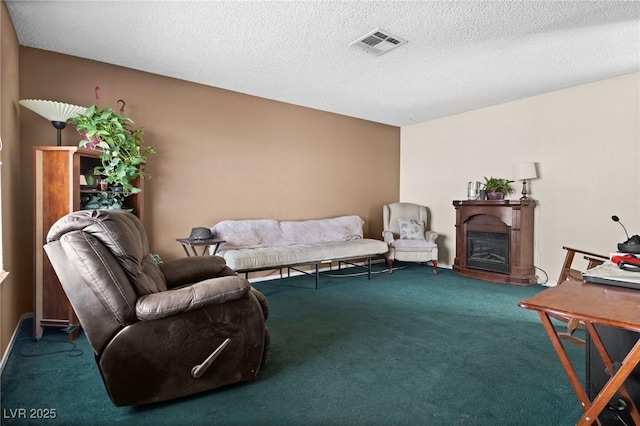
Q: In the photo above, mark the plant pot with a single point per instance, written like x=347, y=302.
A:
x=493, y=195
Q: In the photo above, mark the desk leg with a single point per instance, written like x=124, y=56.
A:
x=568, y=367
x=617, y=380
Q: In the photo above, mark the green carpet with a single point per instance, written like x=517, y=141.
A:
x=401, y=349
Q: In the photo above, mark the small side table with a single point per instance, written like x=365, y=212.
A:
x=593, y=304
x=193, y=243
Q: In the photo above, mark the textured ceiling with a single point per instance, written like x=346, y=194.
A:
x=461, y=55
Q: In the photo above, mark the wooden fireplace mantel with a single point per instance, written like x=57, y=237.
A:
x=515, y=217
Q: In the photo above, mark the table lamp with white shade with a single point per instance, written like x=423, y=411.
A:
x=524, y=172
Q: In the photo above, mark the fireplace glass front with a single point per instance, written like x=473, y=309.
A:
x=488, y=251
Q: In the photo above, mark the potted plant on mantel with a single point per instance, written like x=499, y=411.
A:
x=497, y=188
x=121, y=152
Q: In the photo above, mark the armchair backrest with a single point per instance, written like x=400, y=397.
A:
x=391, y=214
x=103, y=262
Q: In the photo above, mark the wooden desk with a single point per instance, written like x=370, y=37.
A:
x=593, y=304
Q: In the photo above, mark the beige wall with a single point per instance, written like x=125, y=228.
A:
x=15, y=294
x=221, y=154
x=585, y=141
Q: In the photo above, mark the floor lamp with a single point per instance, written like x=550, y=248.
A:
x=56, y=112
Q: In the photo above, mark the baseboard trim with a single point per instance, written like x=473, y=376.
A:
x=6, y=353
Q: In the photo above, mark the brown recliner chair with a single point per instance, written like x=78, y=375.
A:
x=158, y=331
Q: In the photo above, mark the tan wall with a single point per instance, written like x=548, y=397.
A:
x=221, y=154
x=15, y=294
x=586, y=141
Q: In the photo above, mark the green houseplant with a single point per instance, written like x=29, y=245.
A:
x=122, y=153
x=102, y=200
x=497, y=188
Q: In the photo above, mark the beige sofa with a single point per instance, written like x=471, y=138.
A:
x=263, y=244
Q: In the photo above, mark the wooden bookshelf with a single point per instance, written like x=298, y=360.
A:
x=57, y=192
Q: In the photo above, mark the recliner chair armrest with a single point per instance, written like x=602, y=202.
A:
x=208, y=292
x=387, y=237
x=189, y=270
x=264, y=304
x=431, y=236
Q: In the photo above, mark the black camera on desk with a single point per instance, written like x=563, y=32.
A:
x=628, y=259
x=632, y=245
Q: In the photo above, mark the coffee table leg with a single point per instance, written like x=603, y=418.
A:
x=564, y=360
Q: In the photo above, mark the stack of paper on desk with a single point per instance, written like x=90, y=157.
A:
x=609, y=273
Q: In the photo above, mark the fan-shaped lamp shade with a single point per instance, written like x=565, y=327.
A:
x=56, y=112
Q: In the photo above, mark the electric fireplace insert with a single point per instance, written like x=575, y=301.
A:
x=488, y=251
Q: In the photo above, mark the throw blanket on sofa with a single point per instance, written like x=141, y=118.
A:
x=273, y=233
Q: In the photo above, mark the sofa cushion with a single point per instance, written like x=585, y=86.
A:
x=272, y=233
x=413, y=245
x=274, y=257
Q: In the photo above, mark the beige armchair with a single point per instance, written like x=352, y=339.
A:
x=405, y=231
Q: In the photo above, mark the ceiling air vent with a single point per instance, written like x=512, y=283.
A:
x=378, y=42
